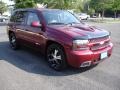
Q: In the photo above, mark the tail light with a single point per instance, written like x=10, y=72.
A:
x=80, y=44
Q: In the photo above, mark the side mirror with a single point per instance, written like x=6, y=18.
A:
x=36, y=24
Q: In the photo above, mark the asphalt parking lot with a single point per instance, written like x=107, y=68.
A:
x=28, y=70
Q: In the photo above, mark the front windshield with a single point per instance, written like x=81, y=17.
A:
x=59, y=17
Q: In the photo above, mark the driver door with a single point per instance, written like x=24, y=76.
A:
x=34, y=34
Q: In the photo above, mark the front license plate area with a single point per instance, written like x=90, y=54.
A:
x=103, y=55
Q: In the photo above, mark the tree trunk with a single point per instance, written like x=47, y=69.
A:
x=115, y=15
x=103, y=12
x=0, y=13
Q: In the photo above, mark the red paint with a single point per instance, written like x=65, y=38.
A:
x=62, y=34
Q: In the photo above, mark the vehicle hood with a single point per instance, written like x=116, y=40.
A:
x=81, y=31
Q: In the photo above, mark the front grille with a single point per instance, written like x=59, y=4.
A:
x=99, y=43
x=99, y=39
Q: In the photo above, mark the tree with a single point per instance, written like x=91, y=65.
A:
x=91, y=11
x=60, y=4
x=86, y=5
x=78, y=5
x=63, y=4
x=24, y=4
x=101, y=5
x=116, y=7
x=3, y=7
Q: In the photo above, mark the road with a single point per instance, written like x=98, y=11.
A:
x=27, y=70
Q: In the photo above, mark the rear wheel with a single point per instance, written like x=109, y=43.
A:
x=56, y=57
x=13, y=41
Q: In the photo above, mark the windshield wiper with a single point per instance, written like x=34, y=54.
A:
x=71, y=23
x=56, y=23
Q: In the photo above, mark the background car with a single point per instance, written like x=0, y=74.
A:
x=94, y=15
x=83, y=16
x=3, y=18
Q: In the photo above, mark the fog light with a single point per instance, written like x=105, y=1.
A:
x=85, y=64
x=96, y=61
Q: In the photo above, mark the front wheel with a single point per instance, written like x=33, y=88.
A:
x=56, y=57
x=13, y=41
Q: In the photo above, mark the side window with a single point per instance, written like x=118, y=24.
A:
x=12, y=18
x=32, y=17
x=20, y=17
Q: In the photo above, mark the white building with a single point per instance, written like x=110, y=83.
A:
x=10, y=5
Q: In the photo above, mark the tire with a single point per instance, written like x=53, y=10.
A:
x=13, y=41
x=56, y=57
x=86, y=18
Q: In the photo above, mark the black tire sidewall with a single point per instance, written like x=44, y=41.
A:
x=60, y=49
x=14, y=47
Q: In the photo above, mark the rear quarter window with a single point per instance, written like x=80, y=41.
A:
x=12, y=18
x=18, y=17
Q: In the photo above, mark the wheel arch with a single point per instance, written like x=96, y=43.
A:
x=49, y=42
x=9, y=32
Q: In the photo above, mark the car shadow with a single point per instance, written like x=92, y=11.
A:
x=32, y=61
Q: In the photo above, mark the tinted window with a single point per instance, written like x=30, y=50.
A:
x=32, y=17
x=21, y=17
x=18, y=17
x=12, y=19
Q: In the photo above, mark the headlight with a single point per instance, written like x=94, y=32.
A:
x=80, y=44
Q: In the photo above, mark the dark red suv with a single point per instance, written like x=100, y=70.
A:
x=60, y=36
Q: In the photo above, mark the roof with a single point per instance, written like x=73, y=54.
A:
x=36, y=9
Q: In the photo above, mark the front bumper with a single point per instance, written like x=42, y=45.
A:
x=86, y=58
